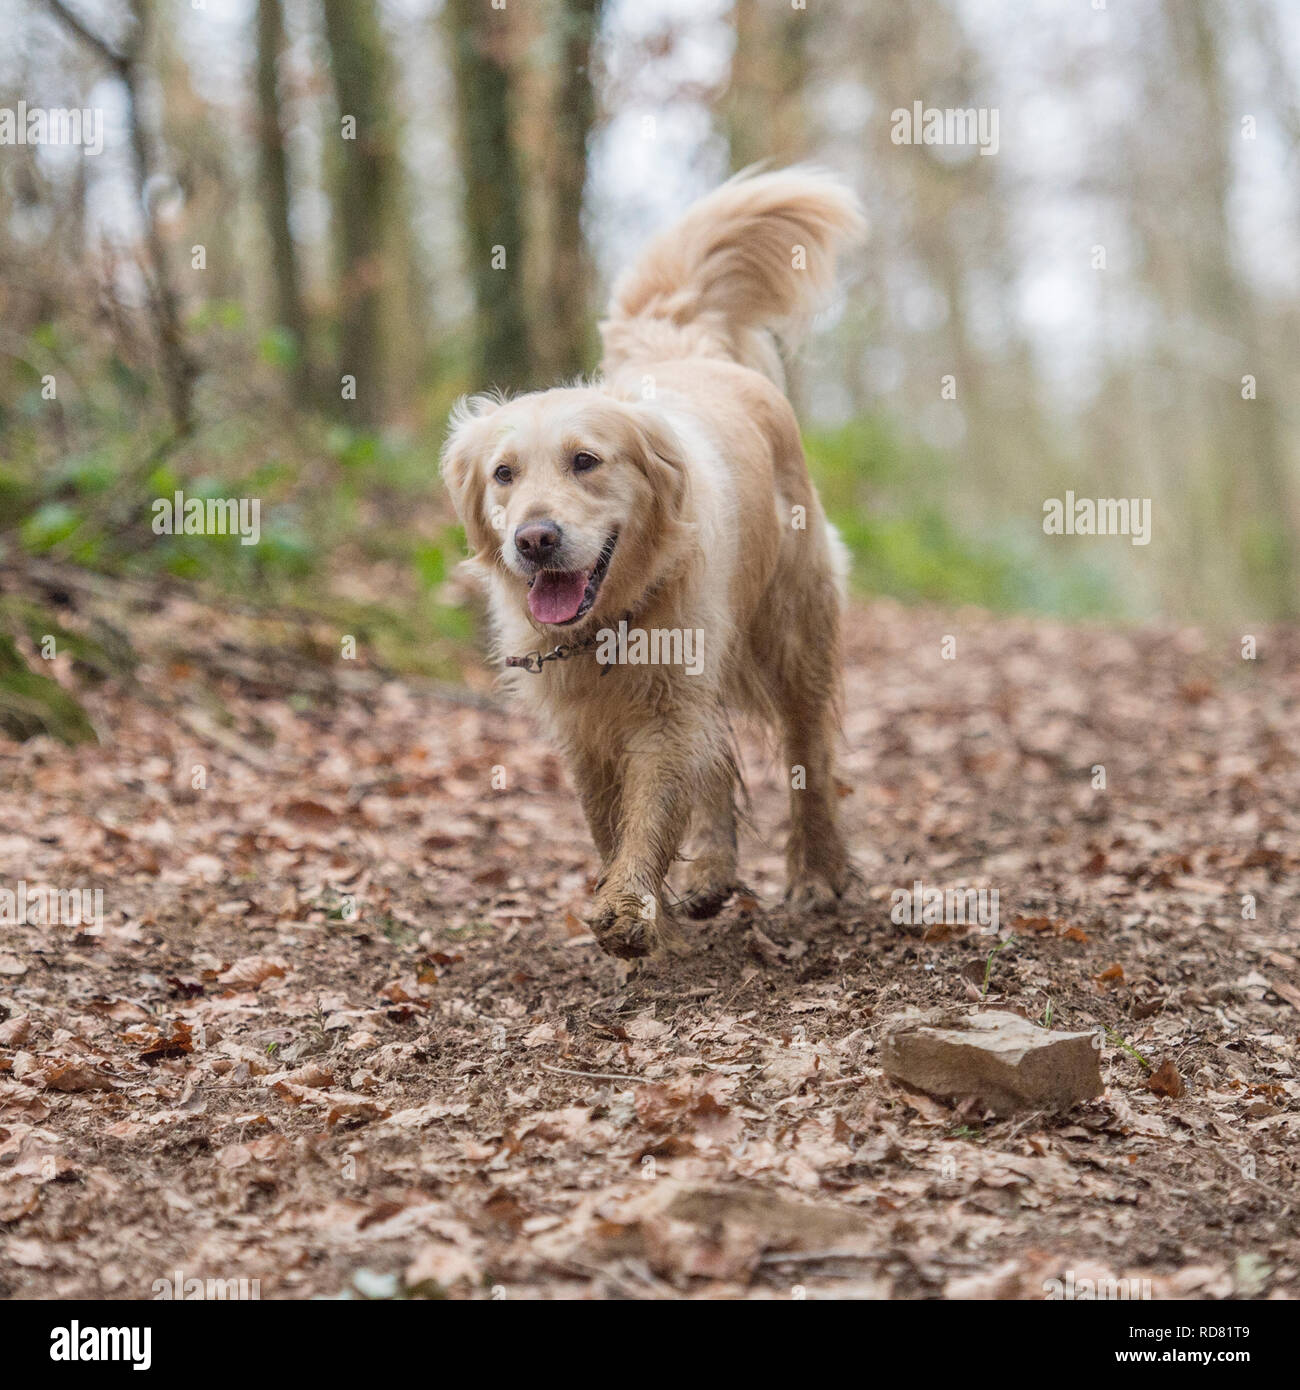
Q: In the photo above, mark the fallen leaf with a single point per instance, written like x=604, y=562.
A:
x=1165, y=1081
x=75, y=1076
x=15, y=1031
x=252, y=971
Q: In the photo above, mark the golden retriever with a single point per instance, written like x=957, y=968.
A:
x=655, y=534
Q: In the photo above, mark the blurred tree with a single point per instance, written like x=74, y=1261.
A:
x=175, y=363
x=569, y=329
x=204, y=189
x=493, y=199
x=764, y=104
x=1220, y=465
x=369, y=207
x=290, y=313
x=1243, y=429
x=763, y=114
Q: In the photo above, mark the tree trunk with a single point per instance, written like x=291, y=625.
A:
x=769, y=73
x=177, y=367
x=289, y=311
x=494, y=196
x=1245, y=437
x=763, y=112
x=568, y=290
x=366, y=200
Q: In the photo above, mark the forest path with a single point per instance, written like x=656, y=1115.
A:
x=343, y=1030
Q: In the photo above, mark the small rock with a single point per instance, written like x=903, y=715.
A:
x=1001, y=1059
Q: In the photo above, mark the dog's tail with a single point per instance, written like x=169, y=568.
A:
x=746, y=262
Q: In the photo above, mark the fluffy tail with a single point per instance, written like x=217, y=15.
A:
x=746, y=262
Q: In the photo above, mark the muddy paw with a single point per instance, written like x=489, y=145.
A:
x=812, y=894
x=707, y=882
x=701, y=900
x=624, y=931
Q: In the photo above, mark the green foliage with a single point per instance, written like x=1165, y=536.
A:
x=217, y=313
x=16, y=498
x=280, y=348
x=341, y=510
x=85, y=474
x=98, y=652
x=885, y=496
x=33, y=704
x=355, y=448
x=49, y=524
x=354, y=524
x=431, y=565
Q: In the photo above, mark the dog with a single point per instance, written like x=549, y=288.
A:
x=671, y=496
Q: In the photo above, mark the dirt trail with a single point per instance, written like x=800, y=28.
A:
x=343, y=1030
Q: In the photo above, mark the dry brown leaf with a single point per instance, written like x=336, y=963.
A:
x=18, y=1199
x=252, y=971
x=307, y=812
x=15, y=1031
x=74, y=1076
x=1165, y=1080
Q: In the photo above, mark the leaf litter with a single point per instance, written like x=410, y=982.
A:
x=342, y=1029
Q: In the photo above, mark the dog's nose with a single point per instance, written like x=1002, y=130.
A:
x=537, y=541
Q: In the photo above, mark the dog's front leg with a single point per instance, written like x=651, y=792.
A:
x=599, y=790
x=668, y=766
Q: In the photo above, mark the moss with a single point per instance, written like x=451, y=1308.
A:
x=31, y=704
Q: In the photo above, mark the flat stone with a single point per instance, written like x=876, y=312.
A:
x=1000, y=1059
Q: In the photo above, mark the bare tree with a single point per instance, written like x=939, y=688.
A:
x=289, y=310
x=368, y=205
x=764, y=105
x=1227, y=302
x=177, y=366
x=493, y=201
x=573, y=115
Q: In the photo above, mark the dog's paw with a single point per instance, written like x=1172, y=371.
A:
x=625, y=928
x=812, y=893
x=704, y=894
x=707, y=882
x=707, y=900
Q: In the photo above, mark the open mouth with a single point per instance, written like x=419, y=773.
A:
x=558, y=597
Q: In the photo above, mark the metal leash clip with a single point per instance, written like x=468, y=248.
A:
x=534, y=661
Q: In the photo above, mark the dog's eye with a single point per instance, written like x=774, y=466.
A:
x=584, y=462
x=503, y=474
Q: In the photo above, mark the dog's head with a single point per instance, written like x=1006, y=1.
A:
x=571, y=497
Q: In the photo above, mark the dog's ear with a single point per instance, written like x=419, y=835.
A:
x=661, y=456
x=462, y=467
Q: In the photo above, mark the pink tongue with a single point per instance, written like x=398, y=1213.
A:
x=556, y=597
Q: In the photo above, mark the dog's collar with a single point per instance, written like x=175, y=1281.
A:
x=534, y=661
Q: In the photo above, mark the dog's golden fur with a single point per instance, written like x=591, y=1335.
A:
x=688, y=453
